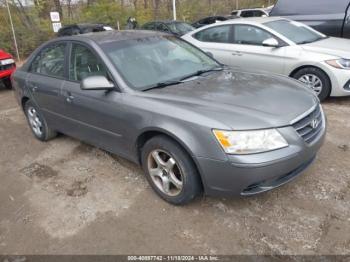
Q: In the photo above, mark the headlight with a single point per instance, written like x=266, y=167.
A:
x=250, y=142
x=7, y=61
x=340, y=63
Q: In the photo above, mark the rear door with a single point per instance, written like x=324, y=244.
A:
x=216, y=41
x=46, y=77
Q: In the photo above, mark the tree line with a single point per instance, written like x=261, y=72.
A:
x=32, y=23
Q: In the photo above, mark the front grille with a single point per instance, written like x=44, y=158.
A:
x=6, y=67
x=310, y=126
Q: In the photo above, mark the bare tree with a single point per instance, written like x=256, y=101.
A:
x=58, y=7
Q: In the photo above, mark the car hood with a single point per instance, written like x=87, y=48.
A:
x=239, y=100
x=4, y=55
x=332, y=46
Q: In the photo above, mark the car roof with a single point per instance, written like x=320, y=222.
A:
x=114, y=36
x=254, y=20
x=165, y=21
x=82, y=25
x=248, y=9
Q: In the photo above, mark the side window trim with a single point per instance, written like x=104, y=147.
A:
x=39, y=55
x=68, y=64
x=233, y=35
x=230, y=38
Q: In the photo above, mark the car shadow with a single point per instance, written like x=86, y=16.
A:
x=337, y=100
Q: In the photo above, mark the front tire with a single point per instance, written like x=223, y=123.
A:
x=7, y=83
x=37, y=123
x=170, y=170
x=315, y=79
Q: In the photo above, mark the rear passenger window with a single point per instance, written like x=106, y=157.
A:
x=84, y=63
x=218, y=34
x=50, y=61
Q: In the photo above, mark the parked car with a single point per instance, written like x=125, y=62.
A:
x=252, y=12
x=77, y=29
x=209, y=20
x=281, y=46
x=160, y=102
x=172, y=27
x=7, y=67
x=329, y=17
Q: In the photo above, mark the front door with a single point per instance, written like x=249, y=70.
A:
x=346, y=28
x=90, y=115
x=248, y=52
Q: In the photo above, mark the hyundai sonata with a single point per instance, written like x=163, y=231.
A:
x=192, y=124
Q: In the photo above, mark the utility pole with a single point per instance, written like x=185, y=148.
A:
x=13, y=30
x=174, y=9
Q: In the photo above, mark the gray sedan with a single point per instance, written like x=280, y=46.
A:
x=193, y=124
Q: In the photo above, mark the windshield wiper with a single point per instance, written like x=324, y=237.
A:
x=201, y=72
x=163, y=84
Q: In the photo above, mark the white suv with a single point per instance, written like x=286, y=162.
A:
x=254, y=12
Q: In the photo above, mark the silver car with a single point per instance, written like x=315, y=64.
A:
x=191, y=123
x=280, y=46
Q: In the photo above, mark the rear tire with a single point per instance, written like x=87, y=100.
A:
x=37, y=123
x=170, y=171
x=7, y=83
x=315, y=79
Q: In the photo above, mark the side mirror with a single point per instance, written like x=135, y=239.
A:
x=96, y=83
x=271, y=42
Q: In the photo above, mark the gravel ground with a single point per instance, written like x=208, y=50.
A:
x=66, y=197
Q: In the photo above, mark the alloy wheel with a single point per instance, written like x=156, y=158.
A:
x=165, y=172
x=313, y=82
x=35, y=122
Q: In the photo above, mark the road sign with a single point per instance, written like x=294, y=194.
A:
x=55, y=16
x=56, y=27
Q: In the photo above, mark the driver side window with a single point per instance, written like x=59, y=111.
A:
x=83, y=63
x=250, y=35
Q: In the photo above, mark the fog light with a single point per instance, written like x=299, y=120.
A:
x=347, y=86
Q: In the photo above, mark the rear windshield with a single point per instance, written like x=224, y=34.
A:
x=309, y=7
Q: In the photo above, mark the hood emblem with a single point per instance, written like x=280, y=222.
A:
x=314, y=123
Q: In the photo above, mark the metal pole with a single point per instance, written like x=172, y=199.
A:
x=13, y=30
x=174, y=9
x=237, y=5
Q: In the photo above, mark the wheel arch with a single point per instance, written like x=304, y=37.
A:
x=24, y=100
x=310, y=66
x=315, y=67
x=148, y=134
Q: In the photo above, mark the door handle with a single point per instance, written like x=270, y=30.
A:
x=237, y=53
x=34, y=89
x=69, y=98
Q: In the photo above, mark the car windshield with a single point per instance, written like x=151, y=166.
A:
x=294, y=31
x=149, y=62
x=181, y=28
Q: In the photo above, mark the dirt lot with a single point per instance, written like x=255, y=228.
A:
x=65, y=197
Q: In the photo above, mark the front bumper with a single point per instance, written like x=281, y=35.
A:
x=7, y=72
x=339, y=79
x=253, y=174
